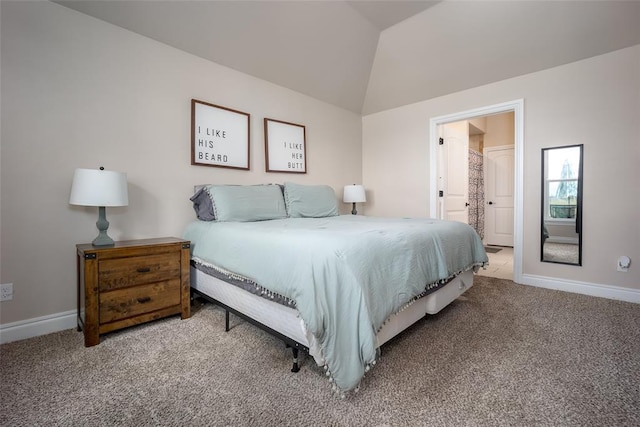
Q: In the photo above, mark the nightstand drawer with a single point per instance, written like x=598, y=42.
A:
x=125, y=272
x=123, y=303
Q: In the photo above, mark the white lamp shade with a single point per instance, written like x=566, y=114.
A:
x=354, y=194
x=93, y=187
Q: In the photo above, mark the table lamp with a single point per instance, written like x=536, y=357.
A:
x=93, y=187
x=354, y=194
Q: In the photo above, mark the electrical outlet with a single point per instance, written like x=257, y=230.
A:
x=623, y=263
x=6, y=292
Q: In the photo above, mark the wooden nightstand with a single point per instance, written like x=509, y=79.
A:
x=132, y=282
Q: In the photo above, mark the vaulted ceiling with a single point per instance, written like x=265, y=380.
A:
x=369, y=56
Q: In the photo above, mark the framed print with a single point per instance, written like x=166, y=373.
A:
x=285, y=147
x=219, y=136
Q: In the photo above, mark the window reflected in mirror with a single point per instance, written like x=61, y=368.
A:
x=561, y=230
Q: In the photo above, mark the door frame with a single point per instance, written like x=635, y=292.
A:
x=517, y=107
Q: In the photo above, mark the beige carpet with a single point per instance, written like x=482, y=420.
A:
x=503, y=354
x=561, y=252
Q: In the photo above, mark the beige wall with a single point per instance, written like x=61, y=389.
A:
x=480, y=123
x=499, y=130
x=476, y=143
x=461, y=126
x=81, y=93
x=595, y=102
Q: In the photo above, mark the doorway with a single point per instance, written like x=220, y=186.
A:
x=513, y=216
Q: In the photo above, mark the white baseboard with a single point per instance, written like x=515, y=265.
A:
x=584, y=288
x=37, y=326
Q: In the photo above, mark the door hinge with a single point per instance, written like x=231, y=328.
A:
x=440, y=193
x=441, y=141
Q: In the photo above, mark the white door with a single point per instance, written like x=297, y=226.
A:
x=454, y=172
x=499, y=177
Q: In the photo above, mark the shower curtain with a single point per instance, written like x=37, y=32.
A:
x=476, y=192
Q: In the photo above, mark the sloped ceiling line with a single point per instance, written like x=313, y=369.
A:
x=370, y=56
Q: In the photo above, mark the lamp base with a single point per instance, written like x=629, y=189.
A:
x=354, y=211
x=103, y=239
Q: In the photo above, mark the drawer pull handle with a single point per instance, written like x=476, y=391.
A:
x=144, y=299
x=143, y=270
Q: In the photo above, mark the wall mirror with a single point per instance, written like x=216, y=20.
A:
x=561, y=228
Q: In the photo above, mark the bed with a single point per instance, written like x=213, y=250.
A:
x=337, y=286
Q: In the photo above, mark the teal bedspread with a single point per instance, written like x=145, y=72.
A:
x=347, y=274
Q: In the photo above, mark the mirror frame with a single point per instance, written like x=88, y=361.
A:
x=578, y=205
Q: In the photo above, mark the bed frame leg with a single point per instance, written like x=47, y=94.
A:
x=226, y=320
x=295, y=368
